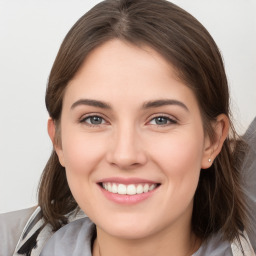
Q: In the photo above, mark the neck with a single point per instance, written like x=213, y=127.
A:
x=167, y=243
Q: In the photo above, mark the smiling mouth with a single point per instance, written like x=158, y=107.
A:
x=130, y=189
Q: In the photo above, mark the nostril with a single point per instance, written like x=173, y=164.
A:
x=126, y=161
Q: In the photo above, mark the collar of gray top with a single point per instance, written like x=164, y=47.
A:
x=35, y=233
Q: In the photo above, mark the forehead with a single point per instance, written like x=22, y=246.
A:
x=120, y=70
x=116, y=55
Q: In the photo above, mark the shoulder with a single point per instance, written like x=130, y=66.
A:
x=249, y=178
x=72, y=239
x=35, y=234
x=11, y=227
x=215, y=245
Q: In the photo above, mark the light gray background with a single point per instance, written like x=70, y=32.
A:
x=30, y=35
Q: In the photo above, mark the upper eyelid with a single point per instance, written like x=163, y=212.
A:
x=171, y=117
x=91, y=115
x=169, y=121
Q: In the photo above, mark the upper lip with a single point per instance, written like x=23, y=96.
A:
x=126, y=181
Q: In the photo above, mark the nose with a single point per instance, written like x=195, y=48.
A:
x=126, y=149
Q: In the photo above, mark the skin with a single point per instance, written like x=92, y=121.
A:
x=128, y=141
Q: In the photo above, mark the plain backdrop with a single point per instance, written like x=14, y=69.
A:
x=31, y=32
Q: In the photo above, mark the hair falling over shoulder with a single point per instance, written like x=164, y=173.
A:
x=219, y=200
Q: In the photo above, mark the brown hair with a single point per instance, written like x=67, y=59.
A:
x=186, y=44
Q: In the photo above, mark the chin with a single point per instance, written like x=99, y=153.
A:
x=130, y=234
x=130, y=230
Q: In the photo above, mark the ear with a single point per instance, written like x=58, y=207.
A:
x=213, y=147
x=51, y=127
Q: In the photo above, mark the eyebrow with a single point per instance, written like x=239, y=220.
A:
x=163, y=102
x=89, y=102
x=146, y=105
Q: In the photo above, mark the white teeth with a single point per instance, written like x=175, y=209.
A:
x=114, y=188
x=153, y=186
x=131, y=189
x=121, y=189
x=145, y=188
x=109, y=187
x=139, y=189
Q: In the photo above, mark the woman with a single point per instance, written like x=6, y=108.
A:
x=146, y=160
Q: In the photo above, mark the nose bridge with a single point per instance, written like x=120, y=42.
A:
x=126, y=149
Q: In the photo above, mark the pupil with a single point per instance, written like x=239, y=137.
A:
x=161, y=120
x=96, y=120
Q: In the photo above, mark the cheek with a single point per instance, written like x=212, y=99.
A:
x=82, y=152
x=181, y=162
x=180, y=151
x=180, y=158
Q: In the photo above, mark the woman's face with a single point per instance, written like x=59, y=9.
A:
x=132, y=142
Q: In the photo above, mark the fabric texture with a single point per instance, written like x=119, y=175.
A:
x=72, y=239
x=75, y=238
x=11, y=226
x=249, y=177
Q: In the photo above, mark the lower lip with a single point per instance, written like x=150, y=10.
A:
x=127, y=199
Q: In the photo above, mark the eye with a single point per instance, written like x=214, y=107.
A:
x=93, y=120
x=162, y=120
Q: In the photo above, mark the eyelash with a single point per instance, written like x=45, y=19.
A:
x=88, y=117
x=167, y=118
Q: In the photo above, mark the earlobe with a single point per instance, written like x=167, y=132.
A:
x=51, y=127
x=213, y=147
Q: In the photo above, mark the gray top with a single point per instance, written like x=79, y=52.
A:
x=75, y=238
x=11, y=226
x=249, y=177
